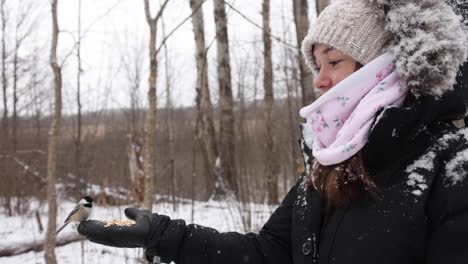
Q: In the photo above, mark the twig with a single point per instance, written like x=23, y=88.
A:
x=258, y=26
x=163, y=42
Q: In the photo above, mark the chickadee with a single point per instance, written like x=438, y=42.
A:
x=80, y=213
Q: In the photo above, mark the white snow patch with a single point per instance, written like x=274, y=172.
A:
x=416, y=180
x=444, y=141
x=464, y=132
x=425, y=162
x=455, y=171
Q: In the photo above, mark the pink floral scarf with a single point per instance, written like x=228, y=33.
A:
x=339, y=121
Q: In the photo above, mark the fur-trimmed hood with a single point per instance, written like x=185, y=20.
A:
x=430, y=43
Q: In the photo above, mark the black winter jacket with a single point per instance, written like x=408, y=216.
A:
x=420, y=163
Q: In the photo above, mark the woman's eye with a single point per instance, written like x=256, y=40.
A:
x=333, y=63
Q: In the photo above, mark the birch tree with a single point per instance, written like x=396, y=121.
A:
x=205, y=130
x=149, y=147
x=301, y=19
x=270, y=171
x=53, y=140
x=226, y=103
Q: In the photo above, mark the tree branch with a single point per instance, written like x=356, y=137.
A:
x=163, y=42
x=163, y=6
x=258, y=26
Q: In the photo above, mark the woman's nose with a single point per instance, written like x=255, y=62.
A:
x=322, y=81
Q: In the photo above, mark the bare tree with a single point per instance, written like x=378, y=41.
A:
x=205, y=129
x=4, y=19
x=37, y=96
x=78, y=135
x=301, y=19
x=226, y=103
x=270, y=167
x=291, y=82
x=53, y=140
x=132, y=57
x=132, y=60
x=149, y=148
x=169, y=118
x=320, y=5
x=23, y=29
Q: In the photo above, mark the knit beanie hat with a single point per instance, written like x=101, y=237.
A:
x=353, y=27
x=427, y=38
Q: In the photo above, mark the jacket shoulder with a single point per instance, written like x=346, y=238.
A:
x=447, y=207
x=450, y=187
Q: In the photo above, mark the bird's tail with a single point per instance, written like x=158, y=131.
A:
x=62, y=227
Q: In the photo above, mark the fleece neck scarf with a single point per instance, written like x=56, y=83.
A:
x=339, y=121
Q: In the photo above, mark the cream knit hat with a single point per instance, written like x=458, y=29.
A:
x=353, y=27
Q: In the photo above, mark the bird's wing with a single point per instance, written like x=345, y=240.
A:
x=77, y=207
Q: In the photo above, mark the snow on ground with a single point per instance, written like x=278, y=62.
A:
x=23, y=228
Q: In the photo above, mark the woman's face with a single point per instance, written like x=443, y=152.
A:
x=333, y=67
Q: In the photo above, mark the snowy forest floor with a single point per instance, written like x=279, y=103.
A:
x=220, y=215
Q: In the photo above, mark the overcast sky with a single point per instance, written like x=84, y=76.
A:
x=115, y=30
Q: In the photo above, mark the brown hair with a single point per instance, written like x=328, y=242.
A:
x=342, y=183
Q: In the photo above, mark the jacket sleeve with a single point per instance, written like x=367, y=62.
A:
x=198, y=244
x=448, y=211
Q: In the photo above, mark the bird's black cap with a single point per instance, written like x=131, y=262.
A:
x=88, y=199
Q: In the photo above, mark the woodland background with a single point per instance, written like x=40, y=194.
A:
x=197, y=100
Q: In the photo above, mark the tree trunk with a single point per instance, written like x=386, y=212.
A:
x=169, y=120
x=320, y=5
x=53, y=140
x=136, y=169
x=301, y=19
x=292, y=112
x=4, y=79
x=227, y=132
x=270, y=167
x=242, y=149
x=15, y=95
x=206, y=131
x=291, y=82
x=149, y=146
x=78, y=102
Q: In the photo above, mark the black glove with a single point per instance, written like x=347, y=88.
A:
x=145, y=233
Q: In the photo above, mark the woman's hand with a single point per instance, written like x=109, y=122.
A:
x=148, y=226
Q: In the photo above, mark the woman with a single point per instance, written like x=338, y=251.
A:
x=388, y=179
